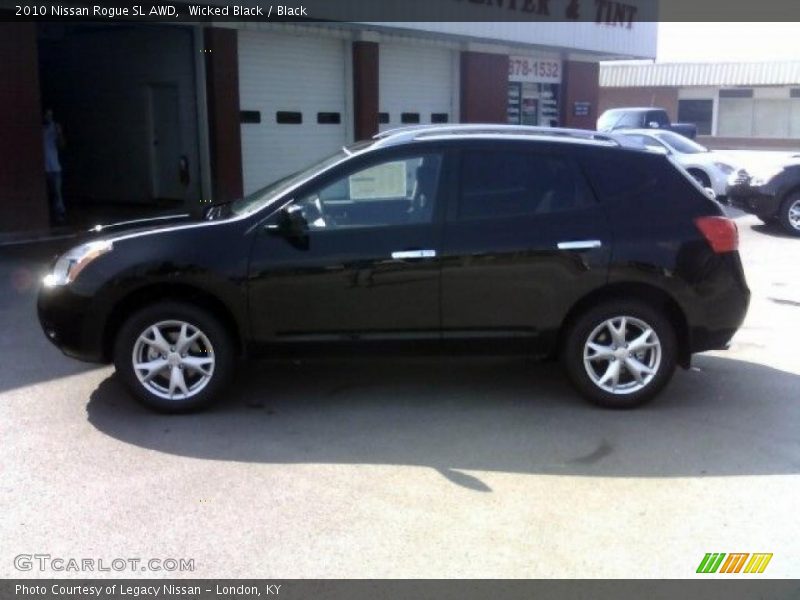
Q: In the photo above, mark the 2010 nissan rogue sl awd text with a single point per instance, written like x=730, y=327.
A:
x=474, y=238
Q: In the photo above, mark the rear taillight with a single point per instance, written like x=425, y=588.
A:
x=720, y=232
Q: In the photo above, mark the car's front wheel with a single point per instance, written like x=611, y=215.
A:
x=620, y=354
x=789, y=214
x=174, y=357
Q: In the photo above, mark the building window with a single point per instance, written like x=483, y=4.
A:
x=329, y=118
x=735, y=117
x=285, y=117
x=383, y=118
x=771, y=117
x=736, y=93
x=794, y=116
x=699, y=112
x=409, y=118
x=769, y=114
x=532, y=104
x=250, y=116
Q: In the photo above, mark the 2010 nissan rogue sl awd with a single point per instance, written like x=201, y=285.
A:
x=472, y=238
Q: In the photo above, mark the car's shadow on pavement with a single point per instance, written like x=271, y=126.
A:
x=773, y=229
x=727, y=418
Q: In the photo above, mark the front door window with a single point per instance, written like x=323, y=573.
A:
x=395, y=192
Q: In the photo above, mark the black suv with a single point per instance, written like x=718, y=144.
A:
x=473, y=238
x=771, y=192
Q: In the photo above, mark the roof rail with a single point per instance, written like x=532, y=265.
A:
x=414, y=132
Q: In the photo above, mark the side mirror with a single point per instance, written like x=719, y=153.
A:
x=292, y=223
x=292, y=226
x=711, y=194
x=653, y=125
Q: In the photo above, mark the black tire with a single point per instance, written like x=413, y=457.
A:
x=792, y=201
x=578, y=334
x=221, y=346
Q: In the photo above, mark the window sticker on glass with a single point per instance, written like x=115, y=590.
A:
x=384, y=181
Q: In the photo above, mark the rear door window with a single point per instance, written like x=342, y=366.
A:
x=510, y=183
x=619, y=176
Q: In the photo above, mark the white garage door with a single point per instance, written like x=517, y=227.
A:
x=296, y=86
x=416, y=85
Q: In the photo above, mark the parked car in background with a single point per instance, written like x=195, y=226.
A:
x=483, y=239
x=710, y=168
x=769, y=190
x=643, y=118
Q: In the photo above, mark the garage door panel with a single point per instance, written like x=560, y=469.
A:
x=294, y=74
x=417, y=80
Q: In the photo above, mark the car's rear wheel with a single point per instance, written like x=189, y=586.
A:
x=789, y=214
x=620, y=354
x=174, y=357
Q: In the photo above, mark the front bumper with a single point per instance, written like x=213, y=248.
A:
x=754, y=200
x=719, y=183
x=70, y=322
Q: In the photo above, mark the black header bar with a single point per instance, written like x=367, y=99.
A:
x=612, y=13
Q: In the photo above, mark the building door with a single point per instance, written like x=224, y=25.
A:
x=292, y=92
x=115, y=104
x=165, y=141
x=416, y=85
x=533, y=90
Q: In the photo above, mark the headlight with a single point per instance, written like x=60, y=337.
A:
x=70, y=264
x=738, y=177
x=725, y=167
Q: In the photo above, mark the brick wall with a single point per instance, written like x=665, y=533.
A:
x=580, y=83
x=484, y=87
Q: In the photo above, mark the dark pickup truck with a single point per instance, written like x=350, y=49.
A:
x=643, y=118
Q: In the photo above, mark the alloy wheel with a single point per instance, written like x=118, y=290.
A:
x=622, y=355
x=794, y=214
x=173, y=359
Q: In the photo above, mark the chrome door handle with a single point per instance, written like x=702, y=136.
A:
x=580, y=245
x=401, y=254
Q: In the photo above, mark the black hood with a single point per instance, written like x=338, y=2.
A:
x=135, y=226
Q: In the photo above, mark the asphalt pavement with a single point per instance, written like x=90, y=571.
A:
x=407, y=468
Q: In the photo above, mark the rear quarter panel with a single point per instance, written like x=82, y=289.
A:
x=652, y=208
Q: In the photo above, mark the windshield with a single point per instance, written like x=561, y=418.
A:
x=263, y=196
x=679, y=143
x=607, y=120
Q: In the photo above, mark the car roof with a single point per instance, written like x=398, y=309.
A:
x=490, y=131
